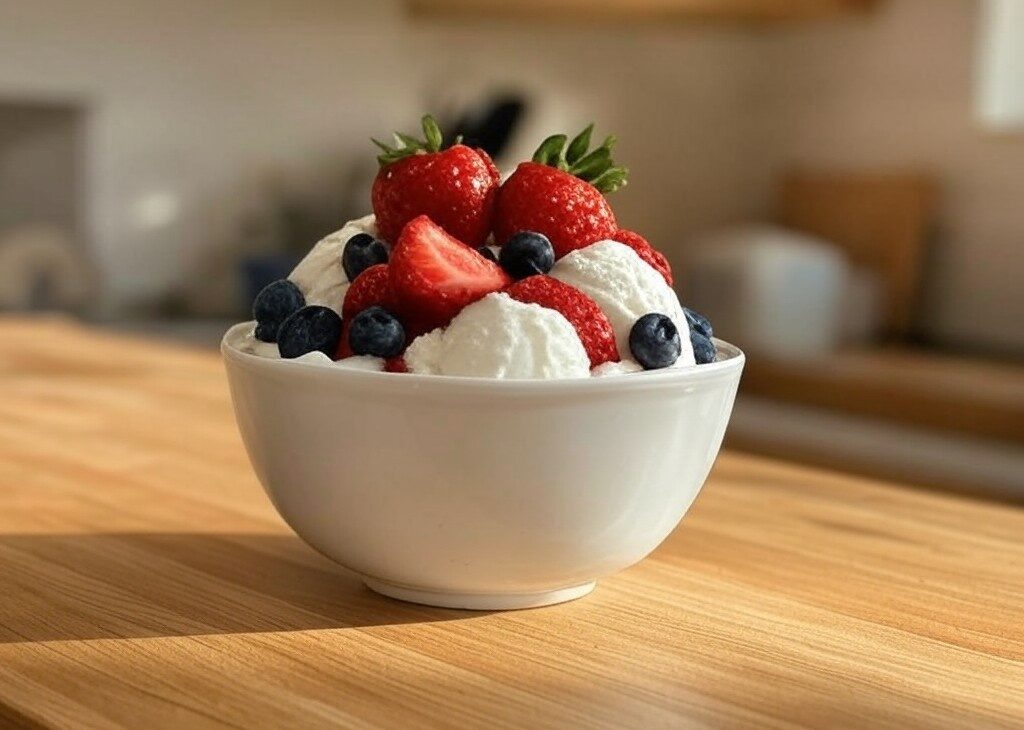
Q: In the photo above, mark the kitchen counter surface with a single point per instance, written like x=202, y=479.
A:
x=145, y=581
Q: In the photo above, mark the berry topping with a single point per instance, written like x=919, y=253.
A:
x=273, y=305
x=361, y=252
x=654, y=341
x=375, y=331
x=645, y=251
x=457, y=187
x=370, y=288
x=433, y=275
x=698, y=323
x=591, y=324
x=395, y=365
x=560, y=194
x=311, y=328
x=570, y=212
x=703, y=348
x=526, y=254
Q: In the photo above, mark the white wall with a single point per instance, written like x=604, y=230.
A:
x=191, y=102
x=196, y=101
x=895, y=90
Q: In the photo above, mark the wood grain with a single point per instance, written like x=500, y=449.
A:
x=146, y=582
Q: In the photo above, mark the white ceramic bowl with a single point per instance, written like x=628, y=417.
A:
x=479, y=493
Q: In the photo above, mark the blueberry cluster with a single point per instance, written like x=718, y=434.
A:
x=275, y=303
x=655, y=342
x=701, y=333
x=282, y=316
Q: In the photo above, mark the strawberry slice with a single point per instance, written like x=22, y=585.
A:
x=583, y=313
x=433, y=275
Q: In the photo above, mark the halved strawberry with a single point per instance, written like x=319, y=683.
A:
x=433, y=275
x=583, y=313
x=655, y=258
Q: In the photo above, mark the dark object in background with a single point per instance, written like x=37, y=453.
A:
x=491, y=125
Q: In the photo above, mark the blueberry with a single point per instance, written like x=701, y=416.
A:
x=277, y=301
x=527, y=253
x=487, y=253
x=703, y=348
x=361, y=252
x=375, y=331
x=266, y=332
x=311, y=328
x=698, y=323
x=654, y=341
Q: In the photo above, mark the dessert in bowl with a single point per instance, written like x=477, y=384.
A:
x=485, y=395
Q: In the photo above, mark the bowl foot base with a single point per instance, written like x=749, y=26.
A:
x=479, y=601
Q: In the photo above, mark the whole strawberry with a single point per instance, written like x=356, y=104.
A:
x=560, y=193
x=456, y=187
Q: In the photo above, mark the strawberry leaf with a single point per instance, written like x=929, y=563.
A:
x=579, y=145
x=595, y=167
x=406, y=145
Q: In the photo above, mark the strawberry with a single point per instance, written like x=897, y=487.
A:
x=561, y=194
x=583, y=313
x=433, y=275
x=646, y=251
x=372, y=287
x=457, y=187
x=344, y=349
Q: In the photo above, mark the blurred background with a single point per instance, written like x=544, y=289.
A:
x=839, y=184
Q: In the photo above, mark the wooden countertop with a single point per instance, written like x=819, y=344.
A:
x=145, y=581
x=916, y=387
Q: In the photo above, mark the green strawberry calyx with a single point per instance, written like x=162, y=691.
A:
x=406, y=145
x=595, y=166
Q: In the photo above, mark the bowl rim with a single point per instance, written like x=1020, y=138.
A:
x=727, y=368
